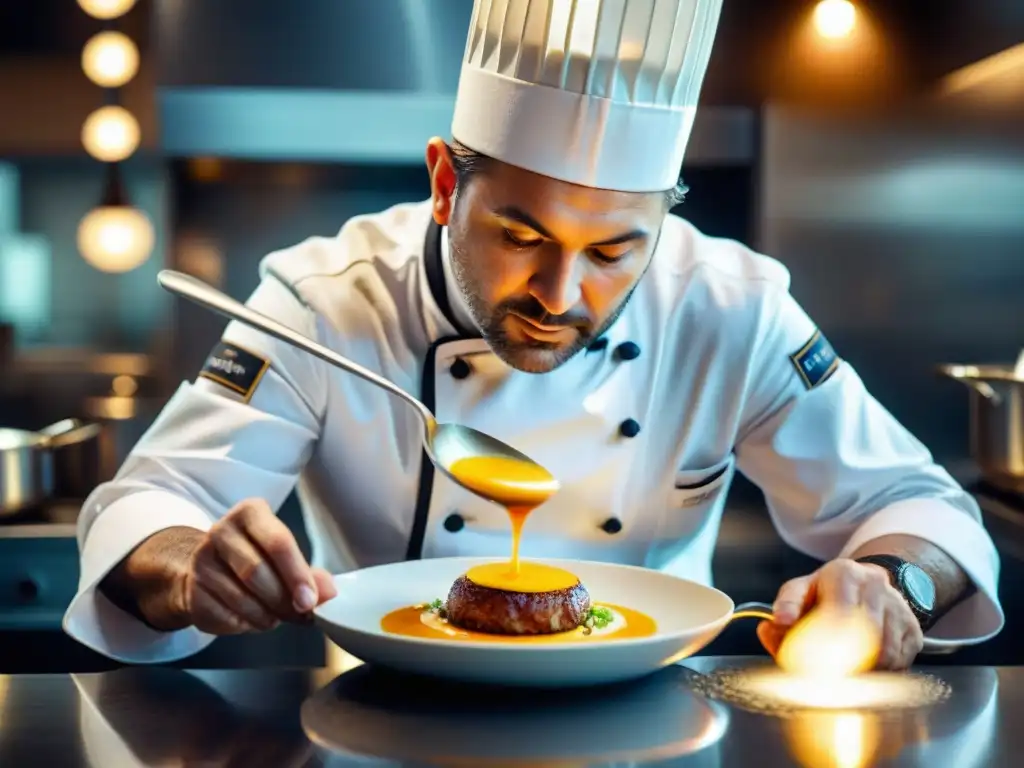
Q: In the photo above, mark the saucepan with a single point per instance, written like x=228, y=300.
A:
x=30, y=463
x=996, y=436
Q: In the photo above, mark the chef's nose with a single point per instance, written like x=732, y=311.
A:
x=556, y=283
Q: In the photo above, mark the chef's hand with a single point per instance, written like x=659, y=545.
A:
x=247, y=573
x=847, y=584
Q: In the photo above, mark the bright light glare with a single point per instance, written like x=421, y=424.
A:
x=106, y=9
x=877, y=689
x=833, y=739
x=831, y=644
x=111, y=134
x=115, y=238
x=110, y=59
x=835, y=18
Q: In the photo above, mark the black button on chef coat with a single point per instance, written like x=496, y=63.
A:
x=460, y=369
x=454, y=523
x=627, y=350
x=629, y=428
x=597, y=345
x=611, y=525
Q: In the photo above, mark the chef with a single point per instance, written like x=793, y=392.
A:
x=543, y=295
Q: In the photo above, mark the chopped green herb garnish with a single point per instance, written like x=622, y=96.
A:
x=437, y=607
x=598, y=617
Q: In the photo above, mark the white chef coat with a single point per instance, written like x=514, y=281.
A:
x=697, y=378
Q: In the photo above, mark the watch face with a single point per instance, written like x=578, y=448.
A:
x=918, y=586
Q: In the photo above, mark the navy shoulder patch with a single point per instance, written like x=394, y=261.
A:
x=235, y=368
x=815, y=361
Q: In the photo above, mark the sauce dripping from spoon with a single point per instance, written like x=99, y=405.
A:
x=520, y=487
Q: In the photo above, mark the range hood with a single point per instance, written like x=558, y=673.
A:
x=347, y=81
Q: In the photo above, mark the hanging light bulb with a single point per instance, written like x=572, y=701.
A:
x=115, y=237
x=110, y=59
x=111, y=134
x=835, y=18
x=106, y=9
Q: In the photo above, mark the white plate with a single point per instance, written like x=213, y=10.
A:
x=688, y=615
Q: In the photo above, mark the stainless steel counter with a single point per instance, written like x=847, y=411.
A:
x=352, y=715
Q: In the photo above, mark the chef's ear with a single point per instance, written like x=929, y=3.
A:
x=442, y=179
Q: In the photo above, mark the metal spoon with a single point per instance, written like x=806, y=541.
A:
x=444, y=444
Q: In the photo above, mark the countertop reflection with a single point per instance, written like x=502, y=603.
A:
x=368, y=717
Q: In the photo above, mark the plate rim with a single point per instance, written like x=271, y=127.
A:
x=477, y=645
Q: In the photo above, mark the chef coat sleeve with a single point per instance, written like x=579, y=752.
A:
x=211, y=447
x=838, y=470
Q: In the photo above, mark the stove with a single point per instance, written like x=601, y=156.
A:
x=54, y=512
x=38, y=566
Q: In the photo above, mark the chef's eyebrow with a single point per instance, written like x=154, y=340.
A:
x=514, y=213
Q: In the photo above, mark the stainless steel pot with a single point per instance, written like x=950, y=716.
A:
x=996, y=420
x=28, y=462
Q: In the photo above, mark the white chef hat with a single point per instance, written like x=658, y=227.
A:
x=601, y=93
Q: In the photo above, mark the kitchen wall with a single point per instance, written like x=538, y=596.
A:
x=75, y=327
x=904, y=235
x=49, y=292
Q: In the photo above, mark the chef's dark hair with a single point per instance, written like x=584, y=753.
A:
x=468, y=162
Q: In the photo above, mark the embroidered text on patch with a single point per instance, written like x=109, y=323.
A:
x=235, y=368
x=815, y=361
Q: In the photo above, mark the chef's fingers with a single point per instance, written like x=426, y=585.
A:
x=902, y=633
x=913, y=643
x=891, y=641
x=251, y=568
x=770, y=635
x=325, y=588
x=210, y=615
x=875, y=596
x=278, y=544
x=840, y=583
x=214, y=575
x=225, y=586
x=794, y=598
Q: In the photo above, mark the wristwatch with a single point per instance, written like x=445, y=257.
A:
x=912, y=582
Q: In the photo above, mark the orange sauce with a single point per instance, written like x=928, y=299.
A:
x=520, y=487
x=506, y=481
x=408, y=621
x=531, y=577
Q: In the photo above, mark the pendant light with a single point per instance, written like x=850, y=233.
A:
x=111, y=134
x=110, y=59
x=106, y=9
x=115, y=236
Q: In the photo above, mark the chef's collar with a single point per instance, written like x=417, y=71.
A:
x=459, y=309
x=441, y=284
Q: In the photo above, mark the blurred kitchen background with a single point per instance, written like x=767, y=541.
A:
x=876, y=148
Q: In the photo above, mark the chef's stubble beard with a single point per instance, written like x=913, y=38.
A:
x=493, y=331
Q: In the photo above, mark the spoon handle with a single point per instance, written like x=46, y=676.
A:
x=199, y=292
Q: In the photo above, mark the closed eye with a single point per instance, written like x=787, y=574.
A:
x=605, y=258
x=520, y=243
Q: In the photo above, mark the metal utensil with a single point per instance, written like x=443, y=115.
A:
x=27, y=459
x=996, y=436
x=444, y=444
x=753, y=610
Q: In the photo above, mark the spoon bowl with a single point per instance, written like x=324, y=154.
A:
x=490, y=468
x=478, y=462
